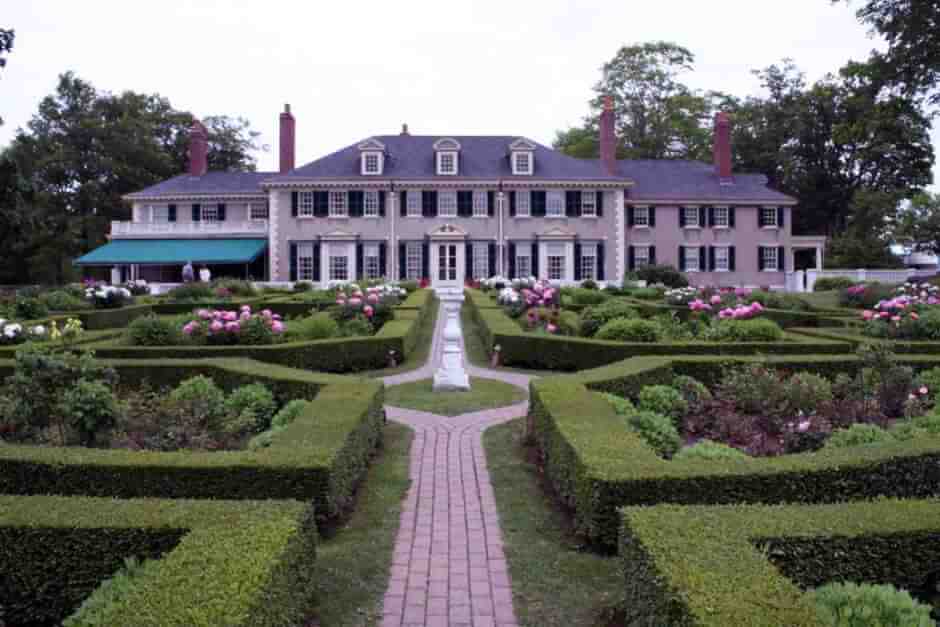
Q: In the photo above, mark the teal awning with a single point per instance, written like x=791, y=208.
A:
x=151, y=252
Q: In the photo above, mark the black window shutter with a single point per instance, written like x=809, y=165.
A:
x=731, y=217
x=702, y=259
x=512, y=204
x=577, y=261
x=537, y=204
x=711, y=216
x=781, y=259
x=468, y=257
x=780, y=216
x=491, y=203
x=464, y=204
x=491, y=261
x=630, y=216
x=681, y=217
x=321, y=204
x=197, y=213
x=402, y=262
x=652, y=216
x=381, y=203
x=731, y=258
x=760, y=259
x=702, y=217
x=293, y=204
x=682, y=258
x=355, y=200
x=293, y=261
x=599, y=203
x=429, y=203
x=171, y=213
x=383, y=259
x=601, y=275
x=711, y=258
x=652, y=256
x=535, y=259
x=512, y=260
x=316, y=263
x=760, y=218
x=572, y=203
x=631, y=258
x=221, y=213
x=426, y=261
x=360, y=261
x=403, y=204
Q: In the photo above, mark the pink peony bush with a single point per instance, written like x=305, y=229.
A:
x=214, y=326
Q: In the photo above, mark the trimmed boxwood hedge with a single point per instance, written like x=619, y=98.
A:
x=745, y=565
x=242, y=563
x=596, y=464
x=320, y=457
x=854, y=336
x=111, y=318
x=554, y=352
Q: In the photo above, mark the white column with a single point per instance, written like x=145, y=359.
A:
x=501, y=241
x=569, y=261
x=115, y=275
x=819, y=257
x=391, y=260
x=543, y=261
x=620, y=238
x=273, y=257
x=451, y=375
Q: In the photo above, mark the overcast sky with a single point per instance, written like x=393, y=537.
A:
x=354, y=69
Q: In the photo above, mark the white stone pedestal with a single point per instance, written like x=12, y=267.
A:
x=451, y=374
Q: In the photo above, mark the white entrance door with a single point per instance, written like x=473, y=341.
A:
x=447, y=264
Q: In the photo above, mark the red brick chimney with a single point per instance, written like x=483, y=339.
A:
x=287, y=140
x=608, y=136
x=198, y=149
x=722, y=148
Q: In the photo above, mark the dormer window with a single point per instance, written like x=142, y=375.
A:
x=371, y=157
x=522, y=163
x=522, y=157
x=447, y=156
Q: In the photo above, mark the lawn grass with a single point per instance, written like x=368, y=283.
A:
x=354, y=561
x=554, y=582
x=476, y=352
x=419, y=356
x=483, y=394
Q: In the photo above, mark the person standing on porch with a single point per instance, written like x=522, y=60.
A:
x=188, y=274
x=204, y=275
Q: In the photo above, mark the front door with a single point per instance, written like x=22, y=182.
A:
x=448, y=262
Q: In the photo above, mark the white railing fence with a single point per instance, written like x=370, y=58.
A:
x=804, y=280
x=188, y=228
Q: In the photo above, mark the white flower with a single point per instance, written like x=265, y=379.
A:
x=2, y=323
x=12, y=330
x=38, y=330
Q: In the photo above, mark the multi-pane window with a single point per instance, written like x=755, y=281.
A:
x=447, y=163
x=523, y=265
x=768, y=217
x=480, y=208
x=209, y=213
x=338, y=205
x=370, y=259
x=371, y=163
x=691, y=254
x=481, y=261
x=413, y=258
x=523, y=203
x=305, y=204
x=588, y=204
x=641, y=256
x=556, y=267
x=160, y=214
x=522, y=163
x=690, y=217
x=370, y=204
x=720, y=216
x=447, y=204
x=588, y=261
x=722, y=262
x=413, y=199
x=768, y=258
x=641, y=216
x=339, y=267
x=257, y=211
x=555, y=204
x=305, y=261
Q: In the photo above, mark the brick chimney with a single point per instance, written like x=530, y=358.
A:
x=286, y=144
x=608, y=136
x=404, y=129
x=722, y=147
x=198, y=149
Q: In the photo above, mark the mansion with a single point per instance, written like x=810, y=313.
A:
x=456, y=208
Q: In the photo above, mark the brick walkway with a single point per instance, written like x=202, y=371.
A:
x=449, y=568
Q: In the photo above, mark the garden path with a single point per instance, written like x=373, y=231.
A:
x=448, y=567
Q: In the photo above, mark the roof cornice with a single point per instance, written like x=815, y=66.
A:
x=260, y=196
x=718, y=202
x=449, y=183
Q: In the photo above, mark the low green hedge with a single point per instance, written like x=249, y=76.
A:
x=172, y=308
x=597, y=465
x=555, y=352
x=856, y=338
x=480, y=300
x=320, y=457
x=239, y=563
x=111, y=318
x=784, y=317
x=746, y=565
x=418, y=299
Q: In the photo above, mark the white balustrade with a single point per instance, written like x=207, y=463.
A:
x=188, y=228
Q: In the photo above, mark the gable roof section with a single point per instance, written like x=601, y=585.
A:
x=481, y=157
x=211, y=183
x=674, y=180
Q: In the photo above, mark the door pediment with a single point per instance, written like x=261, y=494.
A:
x=557, y=232
x=448, y=232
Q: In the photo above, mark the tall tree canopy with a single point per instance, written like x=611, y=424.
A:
x=6, y=46
x=81, y=152
x=919, y=223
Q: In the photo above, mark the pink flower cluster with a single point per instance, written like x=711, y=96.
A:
x=855, y=290
x=540, y=295
x=888, y=314
x=742, y=312
x=358, y=300
x=220, y=322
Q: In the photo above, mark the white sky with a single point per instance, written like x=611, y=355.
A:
x=354, y=69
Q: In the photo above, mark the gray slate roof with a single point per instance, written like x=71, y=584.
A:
x=486, y=157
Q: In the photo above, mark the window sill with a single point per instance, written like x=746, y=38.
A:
x=371, y=217
x=719, y=227
x=524, y=217
x=770, y=228
x=556, y=218
x=414, y=216
x=692, y=228
x=305, y=218
x=641, y=226
x=480, y=217
x=590, y=217
x=338, y=217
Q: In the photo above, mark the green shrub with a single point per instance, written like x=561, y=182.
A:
x=355, y=327
x=622, y=406
x=152, y=330
x=867, y=605
x=200, y=398
x=318, y=326
x=569, y=324
x=805, y=392
x=647, y=293
x=868, y=297
x=195, y=291
x=858, y=434
x=666, y=275
x=692, y=390
x=754, y=330
x=251, y=403
x=89, y=407
x=289, y=413
x=657, y=430
x=235, y=287
x=585, y=296
x=61, y=300
x=255, y=332
x=665, y=400
x=589, y=284
x=929, y=423
x=630, y=330
x=709, y=450
x=27, y=308
x=110, y=591
x=828, y=284
x=303, y=286
x=593, y=318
